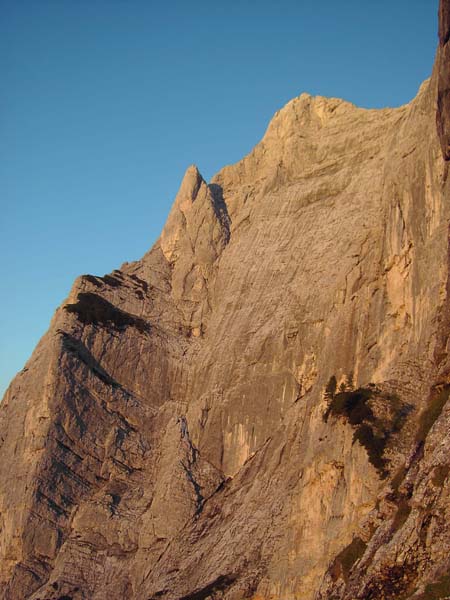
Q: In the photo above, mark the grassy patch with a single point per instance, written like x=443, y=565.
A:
x=330, y=389
x=352, y=405
x=357, y=407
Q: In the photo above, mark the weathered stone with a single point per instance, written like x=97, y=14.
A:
x=257, y=408
x=443, y=62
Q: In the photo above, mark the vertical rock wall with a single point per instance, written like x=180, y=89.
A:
x=258, y=407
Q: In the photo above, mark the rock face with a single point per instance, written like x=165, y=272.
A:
x=443, y=62
x=257, y=408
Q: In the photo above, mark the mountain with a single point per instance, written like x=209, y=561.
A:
x=258, y=408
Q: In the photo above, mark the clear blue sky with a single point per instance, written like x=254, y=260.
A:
x=103, y=105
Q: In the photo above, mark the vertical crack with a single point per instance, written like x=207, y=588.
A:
x=192, y=456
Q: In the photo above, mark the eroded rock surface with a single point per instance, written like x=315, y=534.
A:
x=443, y=61
x=258, y=407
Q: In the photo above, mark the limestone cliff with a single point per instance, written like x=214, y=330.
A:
x=258, y=407
x=443, y=61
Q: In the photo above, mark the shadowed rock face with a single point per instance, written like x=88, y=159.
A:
x=443, y=61
x=258, y=407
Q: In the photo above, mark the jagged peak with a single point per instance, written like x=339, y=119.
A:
x=187, y=193
x=190, y=186
x=303, y=122
x=316, y=111
x=197, y=205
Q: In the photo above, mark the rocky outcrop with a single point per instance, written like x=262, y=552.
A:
x=443, y=62
x=257, y=408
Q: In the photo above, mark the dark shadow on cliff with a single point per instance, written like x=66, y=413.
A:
x=92, y=309
x=221, y=209
x=79, y=350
